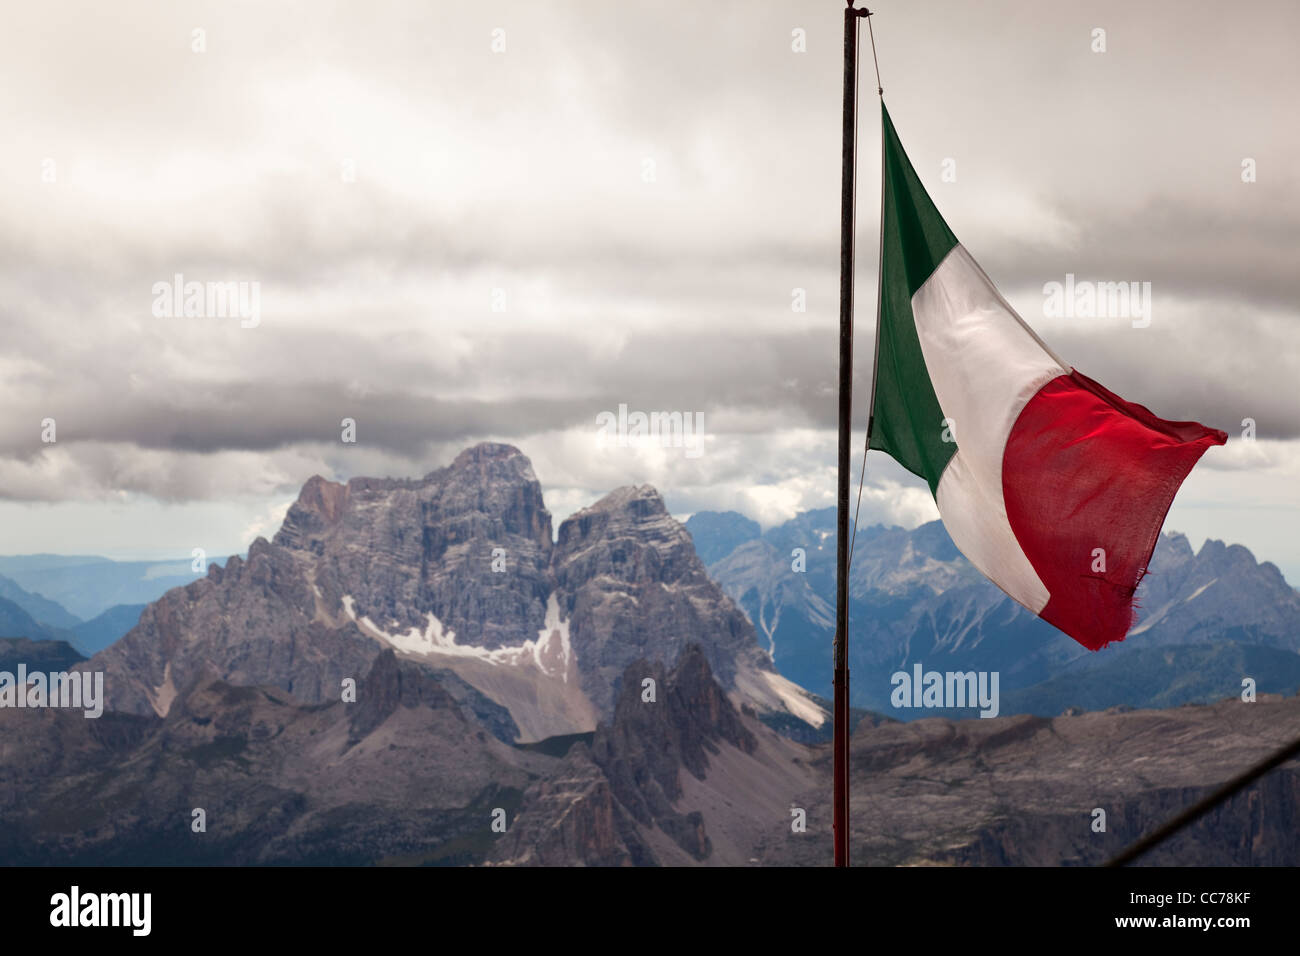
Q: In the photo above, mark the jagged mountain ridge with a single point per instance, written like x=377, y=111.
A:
x=415, y=771
x=459, y=570
x=41, y=608
x=1022, y=790
x=81, y=587
x=914, y=597
x=16, y=622
x=37, y=655
x=685, y=779
x=412, y=773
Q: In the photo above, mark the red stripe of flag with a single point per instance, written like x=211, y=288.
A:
x=1085, y=470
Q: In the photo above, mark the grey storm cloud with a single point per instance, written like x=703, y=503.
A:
x=782, y=375
x=525, y=171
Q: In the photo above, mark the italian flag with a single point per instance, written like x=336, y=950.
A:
x=1053, y=486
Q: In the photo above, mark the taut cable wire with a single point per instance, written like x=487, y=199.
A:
x=1204, y=806
x=871, y=415
x=880, y=90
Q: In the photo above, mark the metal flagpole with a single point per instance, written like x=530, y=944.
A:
x=844, y=549
x=841, y=675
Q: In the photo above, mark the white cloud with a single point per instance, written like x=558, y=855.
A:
x=523, y=172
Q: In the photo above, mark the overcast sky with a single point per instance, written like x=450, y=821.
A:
x=646, y=184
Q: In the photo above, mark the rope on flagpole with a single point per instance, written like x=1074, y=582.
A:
x=871, y=415
x=880, y=90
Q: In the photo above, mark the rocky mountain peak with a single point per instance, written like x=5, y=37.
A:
x=649, y=742
x=310, y=517
x=1176, y=544
x=391, y=684
x=631, y=511
x=490, y=454
x=641, y=500
x=490, y=489
x=637, y=588
x=326, y=498
x=456, y=570
x=687, y=718
x=1226, y=557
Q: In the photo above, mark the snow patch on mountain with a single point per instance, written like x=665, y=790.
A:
x=771, y=691
x=795, y=698
x=769, y=630
x=552, y=652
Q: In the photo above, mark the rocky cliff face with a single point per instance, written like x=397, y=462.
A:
x=634, y=588
x=681, y=778
x=650, y=743
x=255, y=621
x=413, y=772
x=404, y=549
x=408, y=773
x=457, y=570
x=1022, y=791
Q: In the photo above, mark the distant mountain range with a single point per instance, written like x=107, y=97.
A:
x=39, y=607
x=86, y=637
x=1207, y=619
x=418, y=672
x=74, y=588
x=87, y=601
x=102, y=630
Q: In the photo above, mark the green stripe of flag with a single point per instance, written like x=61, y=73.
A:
x=908, y=419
